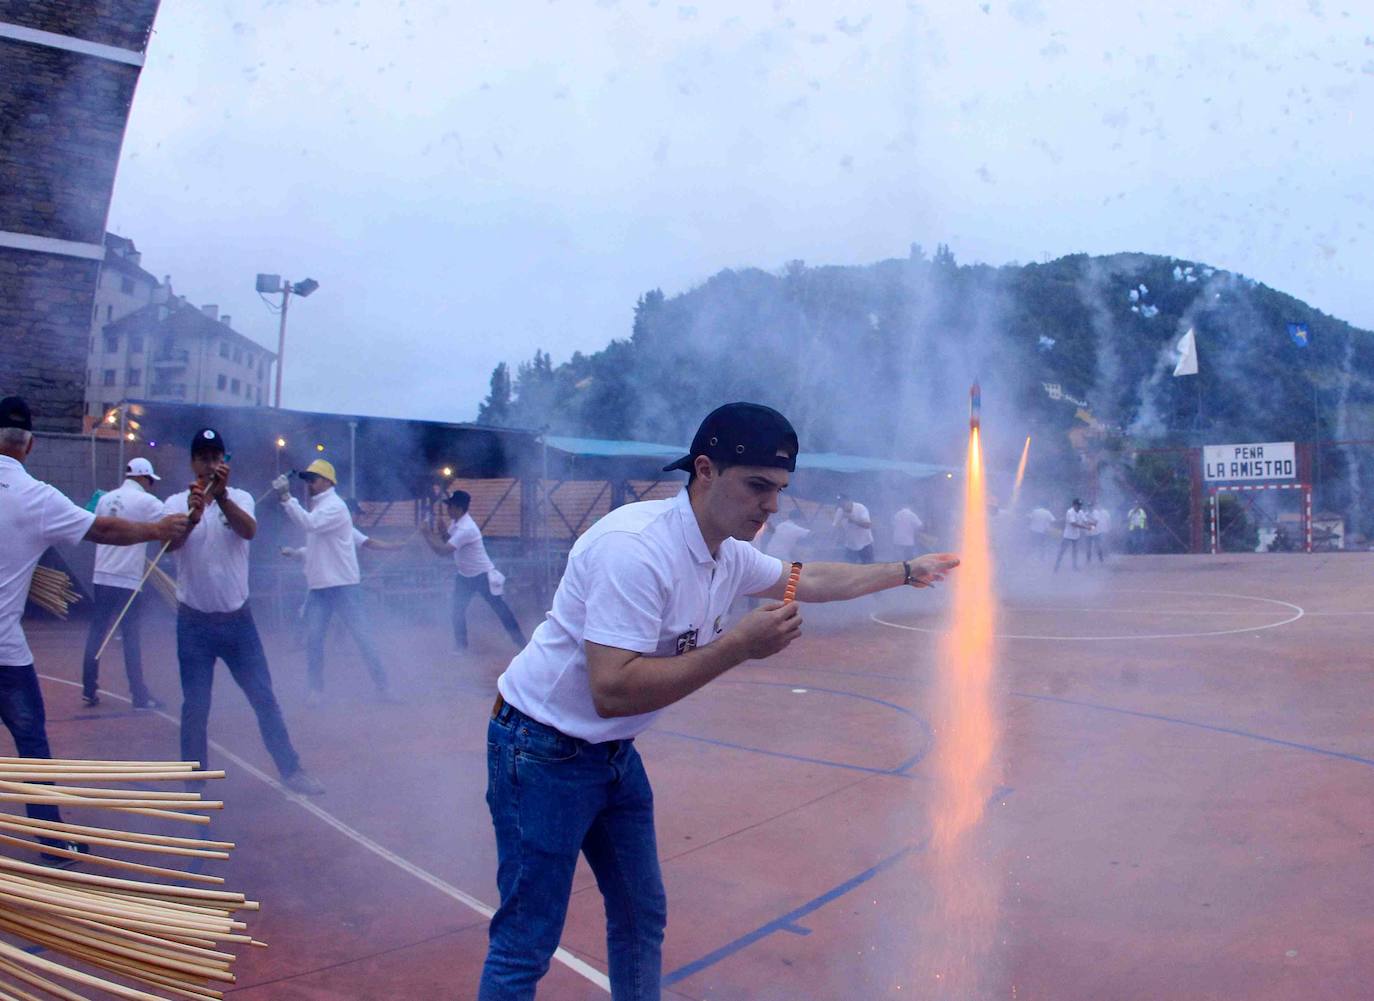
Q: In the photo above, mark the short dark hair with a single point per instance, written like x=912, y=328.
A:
x=721, y=466
x=459, y=498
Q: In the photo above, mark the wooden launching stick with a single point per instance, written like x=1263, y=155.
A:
x=789, y=594
x=163, y=936
x=152, y=565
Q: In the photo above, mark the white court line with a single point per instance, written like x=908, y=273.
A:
x=1297, y=609
x=578, y=966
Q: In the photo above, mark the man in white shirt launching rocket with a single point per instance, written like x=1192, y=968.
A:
x=331, y=572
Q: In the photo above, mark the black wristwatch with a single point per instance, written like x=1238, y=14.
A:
x=906, y=565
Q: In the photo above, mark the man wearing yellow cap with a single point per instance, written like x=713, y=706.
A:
x=331, y=573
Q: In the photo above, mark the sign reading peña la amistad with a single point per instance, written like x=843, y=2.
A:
x=1270, y=460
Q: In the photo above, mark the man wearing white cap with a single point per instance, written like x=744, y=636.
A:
x=118, y=577
x=331, y=573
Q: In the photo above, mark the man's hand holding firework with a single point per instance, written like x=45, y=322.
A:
x=767, y=630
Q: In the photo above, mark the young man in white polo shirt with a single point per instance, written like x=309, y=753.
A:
x=118, y=577
x=331, y=574
x=636, y=625
x=213, y=617
x=34, y=516
x=476, y=575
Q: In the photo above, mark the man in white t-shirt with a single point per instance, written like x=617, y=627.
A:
x=34, y=516
x=788, y=538
x=475, y=574
x=1076, y=522
x=906, y=532
x=118, y=577
x=1097, y=532
x=331, y=575
x=1040, y=520
x=636, y=625
x=213, y=617
x=855, y=529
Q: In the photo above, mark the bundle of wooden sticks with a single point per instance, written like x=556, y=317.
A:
x=52, y=590
x=147, y=929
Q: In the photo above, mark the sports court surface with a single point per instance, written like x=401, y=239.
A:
x=1185, y=810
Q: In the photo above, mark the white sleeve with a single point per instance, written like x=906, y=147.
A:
x=626, y=598
x=758, y=572
x=359, y=539
x=319, y=520
x=62, y=521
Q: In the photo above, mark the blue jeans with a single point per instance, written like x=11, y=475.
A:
x=201, y=638
x=467, y=588
x=551, y=797
x=21, y=708
x=345, y=601
x=109, y=602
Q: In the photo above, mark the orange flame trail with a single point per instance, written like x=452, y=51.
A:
x=966, y=735
x=1020, y=473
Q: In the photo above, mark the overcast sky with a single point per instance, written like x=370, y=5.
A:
x=470, y=182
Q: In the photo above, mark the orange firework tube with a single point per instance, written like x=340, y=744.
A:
x=789, y=595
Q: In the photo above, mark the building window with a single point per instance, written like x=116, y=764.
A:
x=259, y=396
x=238, y=356
x=109, y=377
x=126, y=285
x=109, y=314
x=111, y=343
x=222, y=382
x=135, y=377
x=234, y=387
x=224, y=349
x=135, y=344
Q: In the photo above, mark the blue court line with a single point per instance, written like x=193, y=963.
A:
x=788, y=921
x=1325, y=752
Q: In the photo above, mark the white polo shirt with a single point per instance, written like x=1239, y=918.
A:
x=1073, y=523
x=640, y=579
x=33, y=516
x=123, y=566
x=787, y=538
x=469, y=551
x=852, y=536
x=212, y=565
x=1040, y=520
x=331, y=555
x=905, y=524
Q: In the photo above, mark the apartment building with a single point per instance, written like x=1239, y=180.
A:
x=148, y=343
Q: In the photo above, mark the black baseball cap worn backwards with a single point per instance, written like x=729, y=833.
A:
x=207, y=440
x=743, y=434
x=15, y=413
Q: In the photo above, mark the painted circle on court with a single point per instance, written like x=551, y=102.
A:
x=1285, y=613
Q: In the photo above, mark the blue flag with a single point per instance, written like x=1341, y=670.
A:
x=1298, y=332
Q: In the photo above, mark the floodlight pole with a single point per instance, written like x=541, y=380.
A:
x=281, y=338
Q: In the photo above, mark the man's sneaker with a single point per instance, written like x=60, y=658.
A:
x=90, y=700
x=301, y=781
x=151, y=702
x=64, y=861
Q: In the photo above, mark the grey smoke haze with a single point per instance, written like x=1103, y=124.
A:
x=470, y=182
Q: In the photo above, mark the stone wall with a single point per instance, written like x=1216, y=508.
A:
x=62, y=119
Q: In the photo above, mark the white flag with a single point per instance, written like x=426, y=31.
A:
x=1187, y=349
